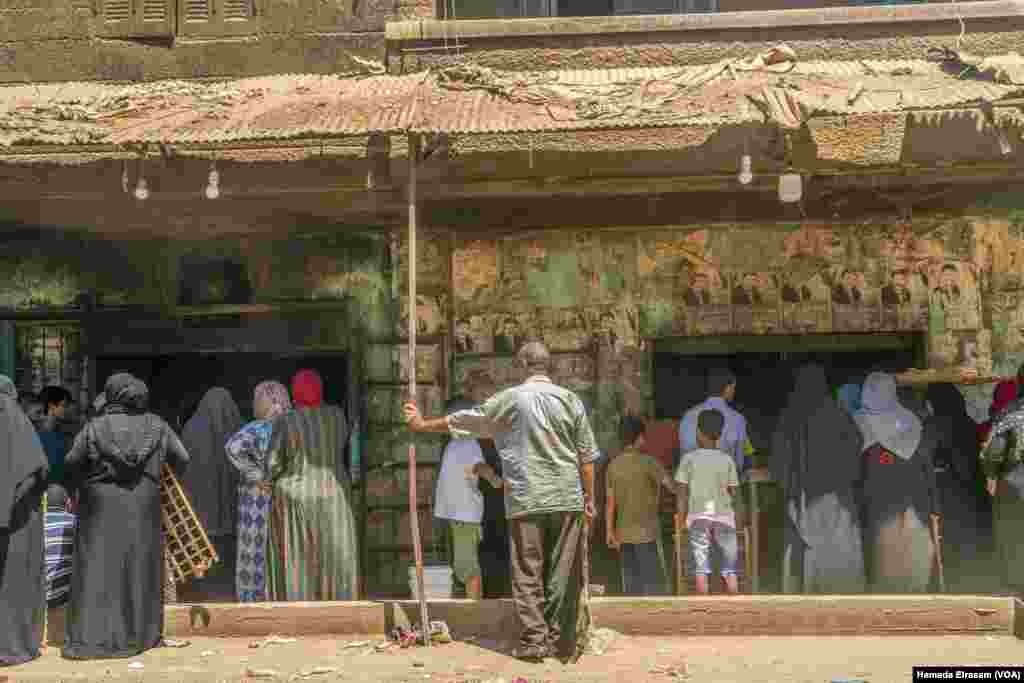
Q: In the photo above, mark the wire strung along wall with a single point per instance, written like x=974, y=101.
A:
x=188, y=550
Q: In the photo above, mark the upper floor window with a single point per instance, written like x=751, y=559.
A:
x=168, y=18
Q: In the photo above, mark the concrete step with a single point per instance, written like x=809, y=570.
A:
x=744, y=615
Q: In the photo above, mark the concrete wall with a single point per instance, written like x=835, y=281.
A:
x=838, y=33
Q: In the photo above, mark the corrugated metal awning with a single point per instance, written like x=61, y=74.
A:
x=470, y=100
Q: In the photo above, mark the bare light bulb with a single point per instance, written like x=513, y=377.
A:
x=141, y=190
x=213, y=184
x=1004, y=142
x=790, y=188
x=746, y=175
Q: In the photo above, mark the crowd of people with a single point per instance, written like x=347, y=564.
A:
x=80, y=519
x=875, y=483
x=880, y=484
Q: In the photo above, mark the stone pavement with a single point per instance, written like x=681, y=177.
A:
x=707, y=659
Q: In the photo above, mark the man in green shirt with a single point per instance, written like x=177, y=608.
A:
x=547, y=450
x=634, y=481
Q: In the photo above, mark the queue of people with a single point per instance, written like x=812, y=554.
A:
x=280, y=484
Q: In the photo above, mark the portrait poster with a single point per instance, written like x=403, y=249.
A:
x=805, y=303
x=431, y=262
x=514, y=258
x=509, y=331
x=614, y=328
x=904, y=298
x=708, y=303
x=575, y=371
x=1007, y=322
x=954, y=294
x=564, y=329
x=473, y=334
x=856, y=299
x=755, y=302
x=432, y=316
x=963, y=349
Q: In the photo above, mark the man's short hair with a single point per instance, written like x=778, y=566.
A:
x=535, y=356
x=632, y=428
x=53, y=395
x=710, y=423
x=718, y=380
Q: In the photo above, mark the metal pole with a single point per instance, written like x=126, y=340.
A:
x=414, y=518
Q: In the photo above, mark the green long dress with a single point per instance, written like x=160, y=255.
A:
x=313, y=552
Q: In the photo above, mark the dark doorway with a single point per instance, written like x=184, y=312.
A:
x=178, y=382
x=765, y=375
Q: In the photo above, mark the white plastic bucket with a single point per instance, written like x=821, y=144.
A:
x=437, y=582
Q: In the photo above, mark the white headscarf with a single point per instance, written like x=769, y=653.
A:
x=884, y=421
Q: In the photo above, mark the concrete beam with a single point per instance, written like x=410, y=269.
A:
x=745, y=615
x=399, y=31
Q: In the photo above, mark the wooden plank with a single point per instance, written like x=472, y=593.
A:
x=785, y=343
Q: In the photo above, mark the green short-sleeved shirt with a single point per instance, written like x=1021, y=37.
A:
x=707, y=473
x=634, y=479
x=543, y=435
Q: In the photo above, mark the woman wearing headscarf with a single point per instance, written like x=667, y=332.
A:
x=849, y=398
x=899, y=489
x=314, y=552
x=212, y=481
x=816, y=459
x=247, y=450
x=116, y=606
x=966, y=510
x=23, y=476
x=1003, y=463
x=1004, y=394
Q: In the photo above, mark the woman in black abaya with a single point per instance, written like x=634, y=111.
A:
x=23, y=473
x=116, y=607
x=966, y=509
x=816, y=458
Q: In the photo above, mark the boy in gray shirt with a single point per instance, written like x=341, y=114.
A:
x=708, y=482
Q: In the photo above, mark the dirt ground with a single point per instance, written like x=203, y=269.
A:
x=632, y=660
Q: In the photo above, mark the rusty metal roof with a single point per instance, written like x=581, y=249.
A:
x=465, y=99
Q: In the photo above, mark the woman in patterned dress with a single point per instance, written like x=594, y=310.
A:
x=247, y=450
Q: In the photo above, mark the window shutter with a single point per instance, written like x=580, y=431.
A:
x=218, y=18
x=138, y=18
x=117, y=18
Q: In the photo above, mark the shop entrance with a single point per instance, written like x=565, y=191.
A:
x=177, y=382
x=765, y=367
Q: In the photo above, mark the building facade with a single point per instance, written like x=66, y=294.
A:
x=629, y=244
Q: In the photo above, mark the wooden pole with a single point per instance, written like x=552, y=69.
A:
x=414, y=517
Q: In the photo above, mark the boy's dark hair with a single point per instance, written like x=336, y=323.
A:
x=718, y=380
x=53, y=395
x=710, y=423
x=632, y=428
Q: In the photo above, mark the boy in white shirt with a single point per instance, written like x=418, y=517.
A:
x=458, y=501
x=708, y=482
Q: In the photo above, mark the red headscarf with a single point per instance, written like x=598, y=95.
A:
x=307, y=389
x=1004, y=395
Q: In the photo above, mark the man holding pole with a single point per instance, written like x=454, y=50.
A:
x=547, y=450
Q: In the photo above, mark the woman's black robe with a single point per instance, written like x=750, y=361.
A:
x=116, y=607
x=816, y=459
x=23, y=474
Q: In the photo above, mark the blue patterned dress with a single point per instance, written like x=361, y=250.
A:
x=248, y=450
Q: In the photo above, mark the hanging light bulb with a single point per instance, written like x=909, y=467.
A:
x=213, y=183
x=790, y=188
x=1004, y=142
x=746, y=175
x=142, y=189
